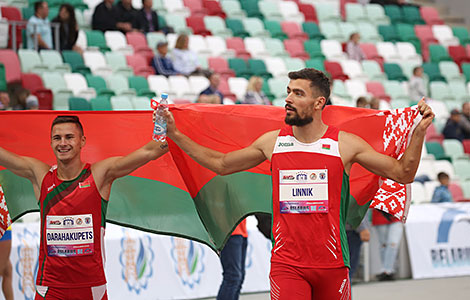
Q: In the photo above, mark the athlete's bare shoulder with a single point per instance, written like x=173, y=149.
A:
x=266, y=143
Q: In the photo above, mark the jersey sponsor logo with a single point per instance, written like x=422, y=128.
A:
x=87, y=220
x=289, y=144
x=322, y=176
x=55, y=222
x=28, y=262
x=301, y=176
x=84, y=184
x=288, y=177
x=68, y=221
x=313, y=176
x=342, y=286
x=188, y=260
x=79, y=221
x=136, y=258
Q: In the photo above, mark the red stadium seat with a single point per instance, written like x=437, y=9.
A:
x=335, y=70
x=198, y=26
x=140, y=66
x=32, y=82
x=45, y=98
x=213, y=8
x=293, y=30
x=426, y=36
x=225, y=89
x=432, y=135
x=371, y=53
x=220, y=65
x=12, y=13
x=237, y=44
x=430, y=15
x=459, y=55
x=457, y=193
x=137, y=40
x=296, y=49
x=9, y=58
x=309, y=12
x=377, y=89
x=466, y=146
x=195, y=6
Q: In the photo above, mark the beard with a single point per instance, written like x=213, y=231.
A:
x=296, y=120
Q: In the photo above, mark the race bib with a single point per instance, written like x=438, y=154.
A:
x=303, y=191
x=69, y=235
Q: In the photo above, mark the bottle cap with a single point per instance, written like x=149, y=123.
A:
x=164, y=96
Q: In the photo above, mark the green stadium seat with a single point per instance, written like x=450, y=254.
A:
x=412, y=15
x=101, y=103
x=407, y=34
x=438, y=53
x=240, y=67
x=433, y=72
x=258, y=68
x=99, y=84
x=3, y=78
x=462, y=34
x=394, y=13
x=312, y=30
x=340, y=90
x=389, y=33
x=394, y=72
x=435, y=148
x=274, y=28
x=95, y=38
x=141, y=86
x=316, y=63
x=313, y=48
x=252, y=9
x=466, y=70
x=237, y=28
x=77, y=103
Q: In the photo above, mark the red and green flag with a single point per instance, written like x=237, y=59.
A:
x=176, y=196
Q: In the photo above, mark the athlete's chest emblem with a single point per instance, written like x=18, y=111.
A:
x=84, y=184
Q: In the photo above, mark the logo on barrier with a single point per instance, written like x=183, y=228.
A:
x=447, y=254
x=249, y=255
x=136, y=260
x=27, y=265
x=188, y=259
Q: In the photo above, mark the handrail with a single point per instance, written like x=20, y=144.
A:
x=14, y=24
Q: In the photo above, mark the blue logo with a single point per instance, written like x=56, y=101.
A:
x=249, y=255
x=188, y=260
x=446, y=223
x=136, y=260
x=301, y=176
x=28, y=264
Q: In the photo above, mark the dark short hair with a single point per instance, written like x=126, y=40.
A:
x=317, y=79
x=415, y=69
x=37, y=5
x=68, y=119
x=442, y=175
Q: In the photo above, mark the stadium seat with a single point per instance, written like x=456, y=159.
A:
x=178, y=23
x=141, y=103
x=369, y=33
x=457, y=192
x=437, y=150
x=462, y=169
x=176, y=7
x=216, y=26
x=236, y=44
x=458, y=54
x=276, y=66
x=438, y=53
x=356, y=12
x=356, y=88
x=332, y=50
x=116, y=41
x=139, y=64
x=331, y=31
x=256, y=47
x=12, y=13
x=276, y=47
x=220, y=65
x=347, y=28
x=275, y=29
x=77, y=83
x=118, y=62
x=459, y=91
x=396, y=90
x=258, y=68
x=119, y=85
x=312, y=30
x=99, y=84
x=418, y=193
x=10, y=60
x=237, y=28
x=240, y=67
x=255, y=27
x=31, y=61
x=233, y=9
x=440, y=91
x=327, y=11
x=77, y=103
x=136, y=40
x=270, y=10
x=196, y=7
x=394, y=72
x=32, y=82
x=389, y=52
x=252, y=9
x=278, y=87
x=293, y=30
x=376, y=14
x=238, y=86
x=412, y=15
x=95, y=38
x=430, y=15
x=407, y=34
x=462, y=34
x=214, y=8
x=433, y=72
x=353, y=69
x=335, y=70
x=339, y=89
x=101, y=103
x=197, y=25
x=314, y=50
x=75, y=60
x=373, y=71
x=444, y=35
x=294, y=64
x=290, y=11
x=198, y=83
x=121, y=103
x=454, y=149
x=153, y=38
x=450, y=70
x=395, y=13
x=95, y=60
x=371, y=53
x=309, y=12
x=159, y=84
x=466, y=146
x=56, y=82
x=389, y=33
x=295, y=49
x=140, y=85
x=377, y=90
x=408, y=52
x=429, y=187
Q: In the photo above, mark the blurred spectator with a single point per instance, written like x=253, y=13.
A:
x=106, y=17
x=185, y=60
x=353, y=49
x=389, y=230
x=39, y=26
x=24, y=100
x=374, y=103
x=4, y=101
x=212, y=94
x=355, y=239
x=254, y=94
x=147, y=18
x=362, y=102
x=466, y=120
x=453, y=128
x=127, y=15
x=442, y=193
x=68, y=32
x=417, y=86
x=161, y=63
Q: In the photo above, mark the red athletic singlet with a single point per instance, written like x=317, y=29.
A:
x=310, y=202
x=73, y=218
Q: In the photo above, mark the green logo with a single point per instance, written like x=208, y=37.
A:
x=286, y=144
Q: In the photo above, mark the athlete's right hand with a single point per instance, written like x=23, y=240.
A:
x=170, y=123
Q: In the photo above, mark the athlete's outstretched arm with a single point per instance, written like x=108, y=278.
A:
x=119, y=166
x=24, y=166
x=402, y=170
x=218, y=162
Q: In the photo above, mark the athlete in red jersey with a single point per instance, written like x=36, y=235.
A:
x=310, y=170
x=73, y=197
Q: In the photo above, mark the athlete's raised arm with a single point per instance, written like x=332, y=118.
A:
x=223, y=163
x=24, y=166
x=402, y=170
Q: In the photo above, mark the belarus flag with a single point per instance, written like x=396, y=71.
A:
x=176, y=196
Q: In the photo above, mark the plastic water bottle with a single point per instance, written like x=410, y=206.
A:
x=159, y=129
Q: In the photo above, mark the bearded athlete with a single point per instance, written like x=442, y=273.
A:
x=310, y=165
x=73, y=197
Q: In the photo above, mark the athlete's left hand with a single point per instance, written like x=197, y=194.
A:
x=427, y=113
